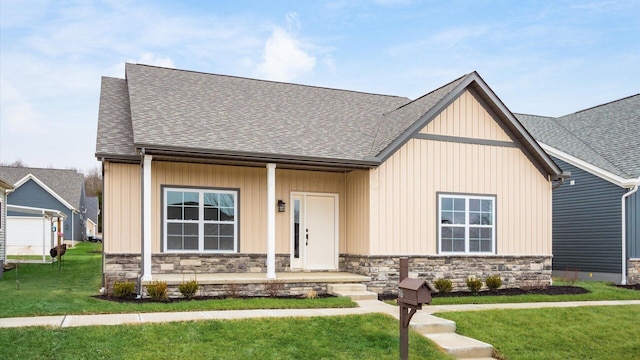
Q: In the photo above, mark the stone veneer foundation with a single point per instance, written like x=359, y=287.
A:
x=633, y=271
x=515, y=271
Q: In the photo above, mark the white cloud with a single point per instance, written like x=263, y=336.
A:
x=284, y=58
x=152, y=59
x=292, y=20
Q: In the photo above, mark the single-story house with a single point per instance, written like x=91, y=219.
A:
x=208, y=173
x=596, y=214
x=4, y=187
x=43, y=194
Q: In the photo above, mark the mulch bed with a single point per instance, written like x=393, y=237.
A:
x=195, y=298
x=549, y=290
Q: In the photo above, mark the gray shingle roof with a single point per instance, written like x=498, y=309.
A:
x=115, y=132
x=92, y=208
x=68, y=184
x=184, y=109
x=606, y=136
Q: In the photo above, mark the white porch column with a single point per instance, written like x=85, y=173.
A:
x=146, y=218
x=271, y=221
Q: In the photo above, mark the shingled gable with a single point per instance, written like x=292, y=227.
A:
x=184, y=113
x=65, y=185
x=600, y=139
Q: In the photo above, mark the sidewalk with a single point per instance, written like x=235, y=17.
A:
x=365, y=307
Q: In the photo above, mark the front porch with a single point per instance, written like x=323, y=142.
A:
x=258, y=284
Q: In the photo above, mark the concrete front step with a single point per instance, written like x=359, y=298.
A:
x=461, y=347
x=353, y=291
x=429, y=324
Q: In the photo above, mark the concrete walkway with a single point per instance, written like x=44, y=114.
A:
x=439, y=330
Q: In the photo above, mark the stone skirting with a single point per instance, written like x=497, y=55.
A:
x=215, y=263
x=515, y=271
x=633, y=271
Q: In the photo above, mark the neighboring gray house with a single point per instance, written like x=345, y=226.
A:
x=598, y=209
x=4, y=187
x=52, y=191
x=92, y=217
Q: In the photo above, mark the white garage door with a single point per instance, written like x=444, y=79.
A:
x=28, y=235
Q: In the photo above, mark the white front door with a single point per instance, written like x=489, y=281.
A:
x=314, y=232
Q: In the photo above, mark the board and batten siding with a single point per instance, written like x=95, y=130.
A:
x=358, y=213
x=587, y=223
x=633, y=225
x=403, y=190
x=122, y=208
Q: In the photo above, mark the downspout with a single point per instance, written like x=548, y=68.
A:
x=624, y=231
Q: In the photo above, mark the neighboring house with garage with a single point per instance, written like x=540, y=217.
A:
x=4, y=187
x=212, y=174
x=596, y=214
x=39, y=199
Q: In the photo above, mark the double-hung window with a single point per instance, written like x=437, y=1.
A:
x=466, y=223
x=200, y=220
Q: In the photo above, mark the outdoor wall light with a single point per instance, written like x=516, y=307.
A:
x=281, y=205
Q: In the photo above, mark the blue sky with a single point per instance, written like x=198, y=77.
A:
x=541, y=57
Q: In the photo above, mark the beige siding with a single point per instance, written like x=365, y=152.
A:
x=358, y=213
x=403, y=189
x=466, y=117
x=122, y=208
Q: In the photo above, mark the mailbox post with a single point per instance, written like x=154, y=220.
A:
x=412, y=293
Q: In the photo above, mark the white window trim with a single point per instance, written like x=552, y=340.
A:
x=467, y=225
x=201, y=222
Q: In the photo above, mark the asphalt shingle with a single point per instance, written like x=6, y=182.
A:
x=68, y=184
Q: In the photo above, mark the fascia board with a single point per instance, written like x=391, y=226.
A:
x=590, y=168
x=46, y=188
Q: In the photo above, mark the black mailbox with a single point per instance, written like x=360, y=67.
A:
x=414, y=292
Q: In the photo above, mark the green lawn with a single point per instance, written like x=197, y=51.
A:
x=606, y=332
x=372, y=336
x=46, y=289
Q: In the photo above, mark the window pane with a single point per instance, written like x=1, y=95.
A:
x=211, y=243
x=487, y=205
x=447, y=217
x=474, y=205
x=226, y=230
x=191, y=213
x=447, y=245
x=447, y=204
x=458, y=218
x=191, y=243
x=474, y=218
x=226, y=200
x=485, y=233
x=190, y=229
x=210, y=229
x=458, y=204
x=174, y=213
x=458, y=245
x=486, y=219
x=174, y=229
x=447, y=232
x=226, y=243
x=211, y=214
x=474, y=233
x=485, y=246
x=211, y=199
x=226, y=214
x=191, y=198
x=458, y=233
x=474, y=245
x=174, y=197
x=174, y=242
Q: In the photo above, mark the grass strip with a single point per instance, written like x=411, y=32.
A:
x=603, y=332
x=373, y=336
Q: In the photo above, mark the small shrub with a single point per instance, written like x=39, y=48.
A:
x=124, y=289
x=157, y=290
x=493, y=282
x=474, y=285
x=311, y=294
x=188, y=288
x=444, y=285
x=273, y=288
